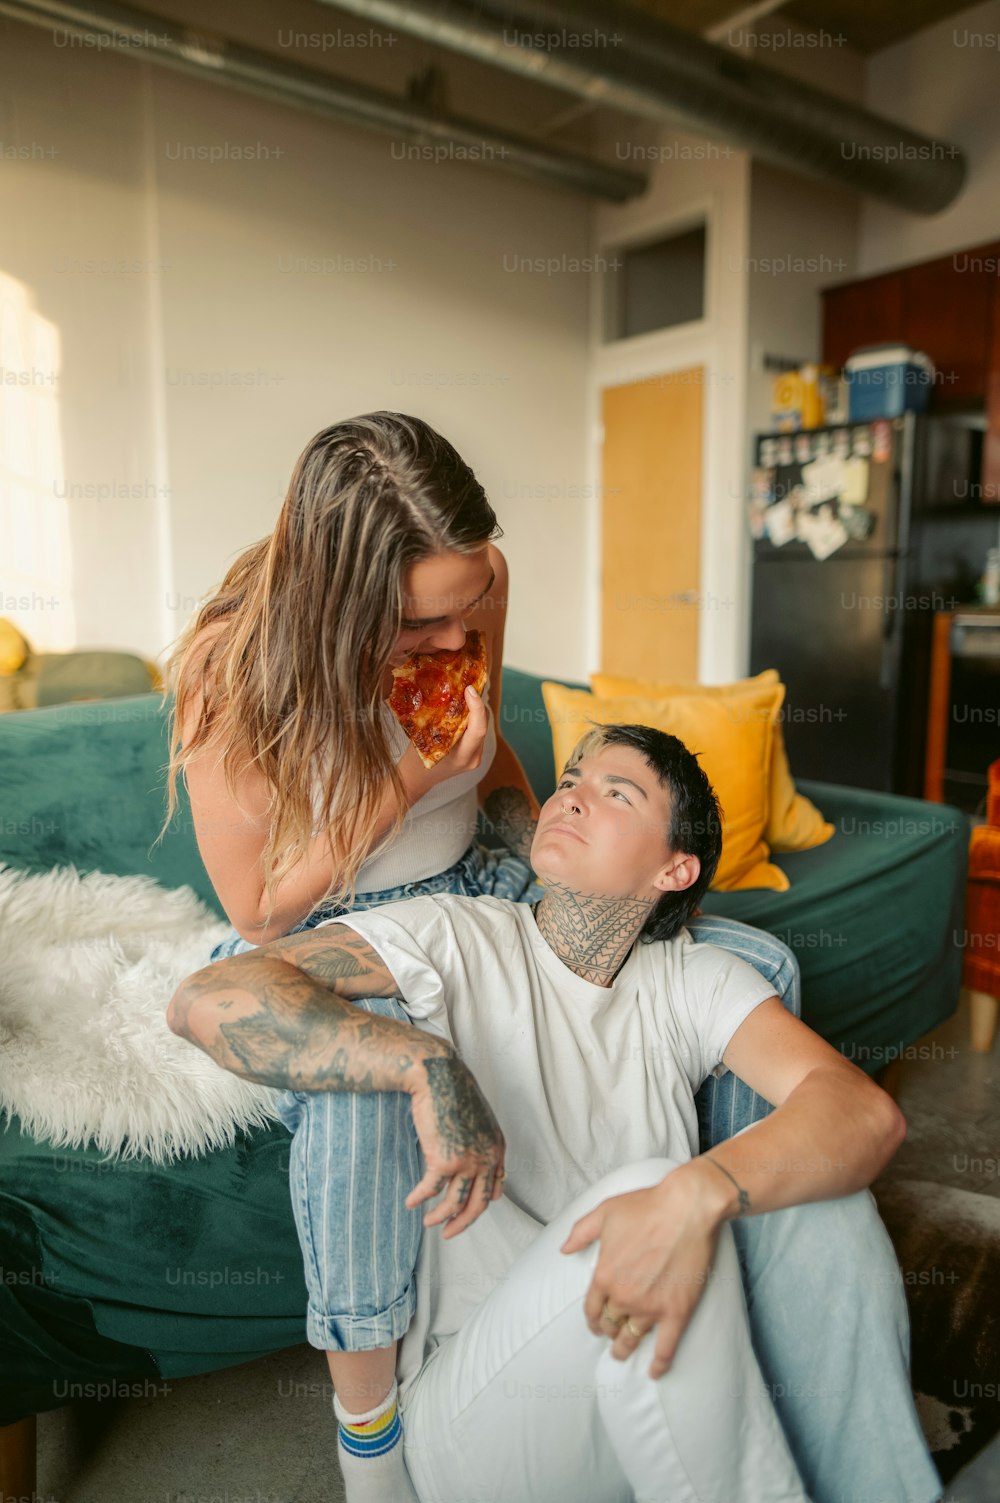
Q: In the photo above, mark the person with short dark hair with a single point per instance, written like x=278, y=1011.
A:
x=588, y=1338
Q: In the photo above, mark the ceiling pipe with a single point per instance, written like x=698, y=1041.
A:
x=618, y=57
x=243, y=68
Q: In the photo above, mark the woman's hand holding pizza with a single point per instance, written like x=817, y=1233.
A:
x=437, y=699
x=466, y=754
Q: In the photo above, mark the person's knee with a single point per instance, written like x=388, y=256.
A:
x=641, y=1174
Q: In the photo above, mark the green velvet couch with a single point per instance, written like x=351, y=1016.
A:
x=87, y=1301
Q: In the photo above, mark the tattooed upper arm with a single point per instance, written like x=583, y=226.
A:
x=512, y=819
x=338, y=957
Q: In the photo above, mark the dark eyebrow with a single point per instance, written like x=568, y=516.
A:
x=609, y=777
x=413, y=622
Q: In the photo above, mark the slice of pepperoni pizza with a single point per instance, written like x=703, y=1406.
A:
x=428, y=695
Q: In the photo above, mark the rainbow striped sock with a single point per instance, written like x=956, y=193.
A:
x=371, y=1453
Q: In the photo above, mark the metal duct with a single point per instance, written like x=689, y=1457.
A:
x=647, y=67
x=186, y=51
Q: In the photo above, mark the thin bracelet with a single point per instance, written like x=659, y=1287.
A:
x=744, y=1205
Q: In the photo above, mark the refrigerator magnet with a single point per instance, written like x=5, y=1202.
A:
x=855, y=490
x=859, y=522
x=822, y=534
x=756, y=516
x=779, y=522
x=762, y=484
x=823, y=479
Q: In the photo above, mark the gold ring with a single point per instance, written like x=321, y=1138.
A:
x=610, y=1318
x=501, y=1174
x=631, y=1328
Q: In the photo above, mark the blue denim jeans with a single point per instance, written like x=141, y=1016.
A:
x=824, y=1294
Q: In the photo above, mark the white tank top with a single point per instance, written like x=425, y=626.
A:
x=438, y=828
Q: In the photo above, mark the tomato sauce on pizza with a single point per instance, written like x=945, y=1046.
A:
x=428, y=695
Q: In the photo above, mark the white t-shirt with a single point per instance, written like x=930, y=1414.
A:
x=582, y=1079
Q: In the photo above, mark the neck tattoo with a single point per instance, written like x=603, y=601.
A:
x=592, y=935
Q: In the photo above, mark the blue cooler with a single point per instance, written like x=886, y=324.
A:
x=886, y=380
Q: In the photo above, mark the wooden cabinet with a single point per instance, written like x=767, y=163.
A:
x=947, y=309
x=944, y=307
x=868, y=312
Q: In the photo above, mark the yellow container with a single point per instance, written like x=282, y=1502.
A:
x=796, y=399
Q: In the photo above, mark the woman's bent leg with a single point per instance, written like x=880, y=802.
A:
x=353, y=1160
x=525, y=1404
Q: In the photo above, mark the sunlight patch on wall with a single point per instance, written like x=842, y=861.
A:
x=35, y=556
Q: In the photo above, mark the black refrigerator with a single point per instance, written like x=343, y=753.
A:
x=834, y=604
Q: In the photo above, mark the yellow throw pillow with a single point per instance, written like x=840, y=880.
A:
x=14, y=647
x=794, y=823
x=734, y=746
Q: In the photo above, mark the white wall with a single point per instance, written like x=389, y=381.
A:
x=803, y=237
x=945, y=82
x=73, y=240
x=197, y=376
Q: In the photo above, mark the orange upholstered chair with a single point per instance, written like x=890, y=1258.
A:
x=981, y=972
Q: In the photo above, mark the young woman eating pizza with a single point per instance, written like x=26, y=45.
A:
x=309, y=800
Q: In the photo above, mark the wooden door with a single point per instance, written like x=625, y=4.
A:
x=651, y=526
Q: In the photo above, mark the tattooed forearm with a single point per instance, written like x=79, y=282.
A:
x=267, y=1021
x=512, y=818
x=464, y=1118
x=591, y=934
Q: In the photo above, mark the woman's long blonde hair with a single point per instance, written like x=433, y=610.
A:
x=287, y=658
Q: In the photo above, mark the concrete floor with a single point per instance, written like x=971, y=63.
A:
x=264, y=1432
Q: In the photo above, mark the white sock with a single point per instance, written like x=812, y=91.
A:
x=371, y=1453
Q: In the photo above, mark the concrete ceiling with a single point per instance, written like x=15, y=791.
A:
x=867, y=25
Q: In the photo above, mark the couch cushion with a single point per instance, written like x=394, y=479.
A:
x=84, y=784
x=734, y=746
x=874, y=918
x=125, y=1268
x=793, y=823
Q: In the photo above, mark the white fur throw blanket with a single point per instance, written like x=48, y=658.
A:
x=89, y=965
